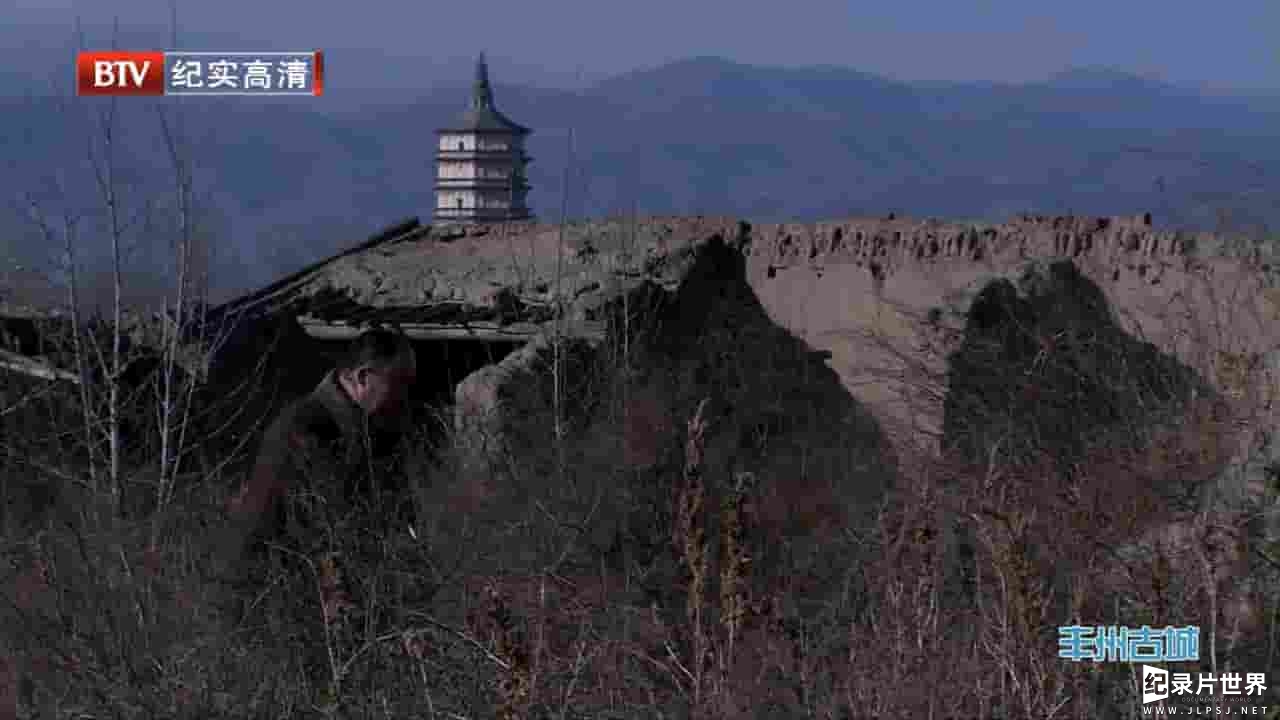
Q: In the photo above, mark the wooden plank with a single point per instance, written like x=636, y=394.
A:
x=24, y=365
x=479, y=331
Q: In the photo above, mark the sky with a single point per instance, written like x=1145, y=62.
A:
x=407, y=43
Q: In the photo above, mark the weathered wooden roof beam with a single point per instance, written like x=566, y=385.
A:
x=32, y=367
x=476, y=331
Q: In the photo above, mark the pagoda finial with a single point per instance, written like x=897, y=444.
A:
x=481, y=92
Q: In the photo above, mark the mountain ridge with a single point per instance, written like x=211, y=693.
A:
x=703, y=135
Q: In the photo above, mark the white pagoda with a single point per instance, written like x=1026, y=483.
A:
x=480, y=162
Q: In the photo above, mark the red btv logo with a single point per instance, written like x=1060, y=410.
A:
x=120, y=73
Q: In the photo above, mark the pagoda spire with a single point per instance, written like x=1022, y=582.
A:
x=481, y=92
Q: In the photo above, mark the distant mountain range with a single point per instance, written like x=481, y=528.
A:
x=703, y=135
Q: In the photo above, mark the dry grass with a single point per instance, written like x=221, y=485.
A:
x=134, y=627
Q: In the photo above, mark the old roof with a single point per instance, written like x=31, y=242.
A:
x=489, y=279
x=282, y=291
x=483, y=116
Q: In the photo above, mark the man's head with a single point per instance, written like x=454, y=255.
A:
x=378, y=371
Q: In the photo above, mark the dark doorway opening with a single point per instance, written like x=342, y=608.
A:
x=442, y=364
x=296, y=363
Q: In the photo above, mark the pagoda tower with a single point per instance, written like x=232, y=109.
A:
x=480, y=162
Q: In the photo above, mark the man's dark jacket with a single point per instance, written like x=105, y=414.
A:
x=324, y=479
